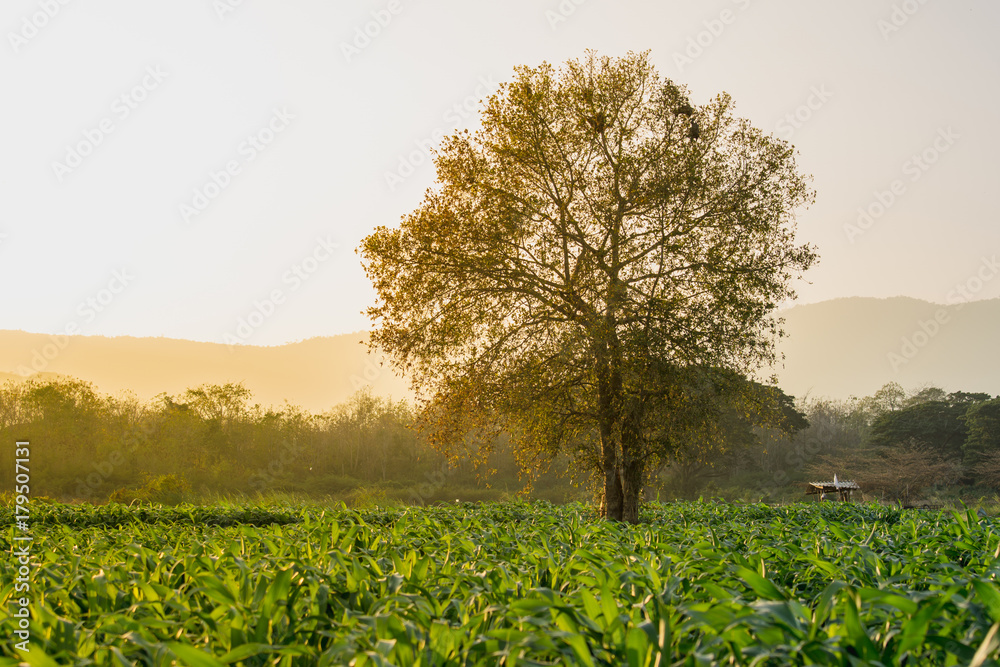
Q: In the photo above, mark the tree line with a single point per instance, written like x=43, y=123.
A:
x=214, y=440
x=897, y=445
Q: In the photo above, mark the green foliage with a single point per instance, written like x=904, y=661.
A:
x=591, y=266
x=889, y=398
x=983, y=422
x=114, y=515
x=737, y=424
x=698, y=583
x=92, y=447
x=936, y=423
x=896, y=444
x=165, y=489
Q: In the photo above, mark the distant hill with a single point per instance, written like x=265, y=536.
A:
x=835, y=348
x=853, y=346
x=315, y=374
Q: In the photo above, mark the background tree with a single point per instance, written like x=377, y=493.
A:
x=733, y=441
x=373, y=435
x=986, y=470
x=67, y=415
x=597, y=262
x=889, y=398
x=982, y=419
x=926, y=394
x=967, y=398
x=900, y=472
x=937, y=422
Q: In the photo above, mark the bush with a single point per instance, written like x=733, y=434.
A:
x=367, y=497
x=163, y=489
x=327, y=484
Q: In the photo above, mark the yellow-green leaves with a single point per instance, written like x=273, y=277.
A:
x=516, y=584
x=599, y=230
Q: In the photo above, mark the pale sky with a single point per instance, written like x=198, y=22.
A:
x=173, y=168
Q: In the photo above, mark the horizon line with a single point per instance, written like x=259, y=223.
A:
x=779, y=309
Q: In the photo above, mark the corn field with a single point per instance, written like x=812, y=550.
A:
x=696, y=583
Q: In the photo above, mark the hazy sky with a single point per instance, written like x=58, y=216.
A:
x=173, y=168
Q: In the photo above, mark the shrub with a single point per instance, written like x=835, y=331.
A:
x=163, y=489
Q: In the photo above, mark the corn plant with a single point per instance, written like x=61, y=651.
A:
x=695, y=583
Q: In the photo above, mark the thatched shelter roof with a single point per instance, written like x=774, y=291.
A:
x=844, y=488
x=832, y=487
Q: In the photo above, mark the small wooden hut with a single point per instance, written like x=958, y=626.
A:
x=840, y=489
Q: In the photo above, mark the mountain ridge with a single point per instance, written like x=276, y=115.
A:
x=835, y=348
x=315, y=373
x=854, y=345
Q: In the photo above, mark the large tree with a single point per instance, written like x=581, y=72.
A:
x=599, y=263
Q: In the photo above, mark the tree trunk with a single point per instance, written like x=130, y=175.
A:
x=621, y=447
x=631, y=476
x=613, y=502
x=608, y=399
x=632, y=465
x=610, y=405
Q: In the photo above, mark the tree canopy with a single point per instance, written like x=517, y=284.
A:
x=937, y=423
x=595, y=270
x=982, y=420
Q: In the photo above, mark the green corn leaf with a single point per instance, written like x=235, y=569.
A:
x=759, y=584
x=856, y=631
x=637, y=648
x=905, y=605
x=964, y=653
x=914, y=630
x=986, y=648
x=247, y=651
x=191, y=656
x=990, y=597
